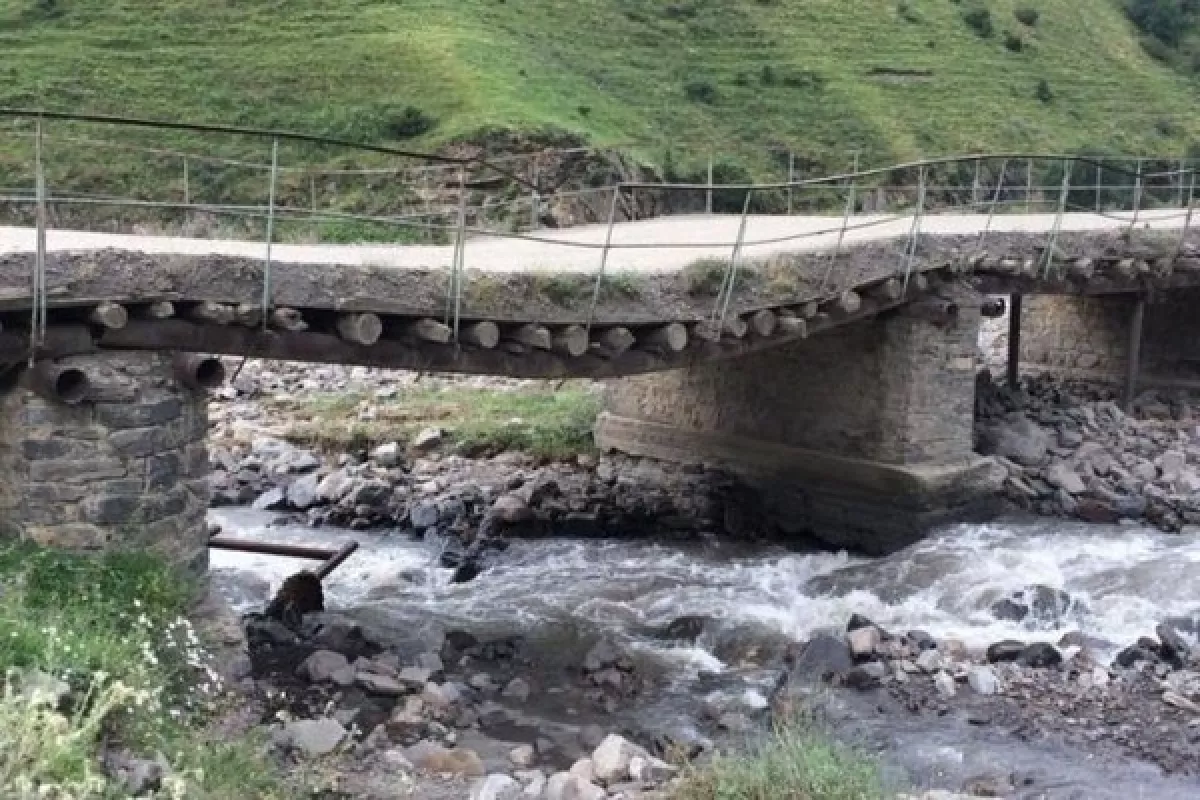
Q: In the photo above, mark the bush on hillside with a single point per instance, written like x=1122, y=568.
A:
x=980, y=21
x=410, y=123
x=1027, y=16
x=701, y=91
x=1044, y=92
x=1165, y=20
x=1013, y=42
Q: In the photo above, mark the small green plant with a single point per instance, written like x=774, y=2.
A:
x=795, y=762
x=1013, y=42
x=410, y=123
x=565, y=291
x=621, y=286
x=767, y=76
x=980, y=21
x=1044, y=92
x=704, y=277
x=701, y=91
x=1027, y=16
x=906, y=12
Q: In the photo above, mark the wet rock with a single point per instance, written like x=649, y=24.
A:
x=428, y=439
x=945, y=685
x=1039, y=655
x=1061, y=475
x=602, y=655
x=565, y=786
x=930, y=661
x=300, y=594
x=517, y=689
x=1172, y=647
x=1007, y=650
x=522, y=756
x=821, y=658
x=983, y=680
x=920, y=640
x=590, y=736
x=648, y=770
x=302, y=494
x=313, y=737
x=858, y=621
x=1136, y=653
x=511, y=509
x=862, y=678
x=414, y=678
x=271, y=500
x=322, y=665
x=386, y=455
x=610, y=761
x=496, y=787
x=382, y=685
x=863, y=642
x=424, y=515
x=684, y=629
x=1018, y=439
x=433, y=757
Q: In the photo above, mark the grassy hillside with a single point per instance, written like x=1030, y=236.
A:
x=892, y=78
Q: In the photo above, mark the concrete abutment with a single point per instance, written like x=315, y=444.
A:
x=861, y=437
x=124, y=469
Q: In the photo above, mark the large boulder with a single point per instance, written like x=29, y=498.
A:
x=1018, y=439
x=322, y=665
x=433, y=757
x=821, y=658
x=313, y=737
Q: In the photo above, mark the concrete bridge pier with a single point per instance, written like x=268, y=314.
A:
x=124, y=466
x=861, y=437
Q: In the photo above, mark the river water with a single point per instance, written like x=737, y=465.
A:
x=1122, y=582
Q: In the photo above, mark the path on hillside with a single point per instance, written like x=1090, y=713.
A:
x=664, y=244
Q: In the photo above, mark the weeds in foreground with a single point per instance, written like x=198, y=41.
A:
x=111, y=628
x=796, y=763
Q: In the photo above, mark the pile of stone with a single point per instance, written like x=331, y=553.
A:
x=397, y=710
x=470, y=501
x=1070, y=450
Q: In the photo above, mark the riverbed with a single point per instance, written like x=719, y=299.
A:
x=750, y=601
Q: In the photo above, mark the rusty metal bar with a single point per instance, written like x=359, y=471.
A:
x=331, y=559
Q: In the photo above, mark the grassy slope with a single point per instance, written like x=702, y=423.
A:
x=335, y=67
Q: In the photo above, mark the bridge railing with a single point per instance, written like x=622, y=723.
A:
x=84, y=172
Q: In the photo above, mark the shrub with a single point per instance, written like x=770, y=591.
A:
x=1027, y=16
x=1013, y=42
x=803, y=79
x=705, y=277
x=1166, y=20
x=907, y=13
x=1043, y=92
x=701, y=91
x=797, y=762
x=410, y=123
x=980, y=21
x=767, y=76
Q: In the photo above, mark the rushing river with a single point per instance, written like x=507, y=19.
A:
x=1122, y=581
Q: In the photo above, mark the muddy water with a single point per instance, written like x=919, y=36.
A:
x=1122, y=581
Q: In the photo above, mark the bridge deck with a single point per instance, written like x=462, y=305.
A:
x=547, y=280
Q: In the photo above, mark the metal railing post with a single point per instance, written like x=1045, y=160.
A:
x=1029, y=186
x=915, y=233
x=266, y=295
x=708, y=194
x=535, y=199
x=187, y=192
x=727, y=286
x=612, y=219
x=791, y=180
x=37, y=333
x=1187, y=222
x=837, y=249
x=1099, y=172
x=1179, y=193
x=992, y=208
x=1052, y=244
x=454, y=290
x=975, y=184
x=1137, y=197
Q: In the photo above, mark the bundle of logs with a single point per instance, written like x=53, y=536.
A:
x=520, y=349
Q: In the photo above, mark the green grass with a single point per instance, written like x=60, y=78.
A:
x=544, y=423
x=113, y=628
x=795, y=763
x=823, y=78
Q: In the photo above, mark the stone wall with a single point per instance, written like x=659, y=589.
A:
x=1088, y=337
x=125, y=469
x=861, y=437
x=894, y=389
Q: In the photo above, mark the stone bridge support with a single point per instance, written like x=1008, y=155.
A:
x=861, y=437
x=125, y=468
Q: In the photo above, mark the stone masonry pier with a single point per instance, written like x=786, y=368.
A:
x=862, y=437
x=125, y=468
